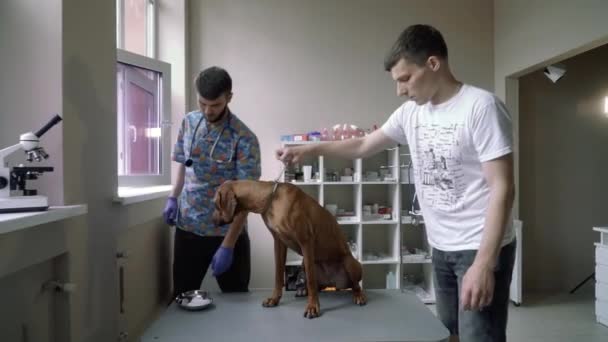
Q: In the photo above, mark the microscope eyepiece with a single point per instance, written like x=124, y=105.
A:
x=55, y=120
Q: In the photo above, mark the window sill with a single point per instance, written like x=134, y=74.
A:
x=18, y=221
x=130, y=195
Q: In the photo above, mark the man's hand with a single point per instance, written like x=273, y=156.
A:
x=222, y=259
x=170, y=211
x=290, y=155
x=477, y=287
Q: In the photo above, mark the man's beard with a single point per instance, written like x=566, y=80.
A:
x=220, y=117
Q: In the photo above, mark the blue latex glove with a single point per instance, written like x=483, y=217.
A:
x=222, y=259
x=170, y=211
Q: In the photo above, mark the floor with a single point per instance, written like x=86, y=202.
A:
x=555, y=318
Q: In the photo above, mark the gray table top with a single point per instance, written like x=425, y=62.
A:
x=389, y=315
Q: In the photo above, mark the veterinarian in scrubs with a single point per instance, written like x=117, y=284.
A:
x=213, y=146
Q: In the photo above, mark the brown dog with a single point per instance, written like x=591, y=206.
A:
x=297, y=221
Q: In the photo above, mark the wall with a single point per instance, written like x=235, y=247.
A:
x=527, y=36
x=89, y=100
x=298, y=66
x=562, y=129
x=30, y=65
x=26, y=314
x=147, y=280
x=172, y=49
x=28, y=259
x=31, y=83
x=90, y=144
x=69, y=50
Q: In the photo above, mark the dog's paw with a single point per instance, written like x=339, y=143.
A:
x=359, y=298
x=271, y=302
x=312, y=311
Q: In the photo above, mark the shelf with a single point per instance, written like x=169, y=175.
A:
x=407, y=220
x=601, y=229
x=295, y=143
x=379, y=240
x=345, y=183
x=425, y=261
x=379, y=222
x=603, y=235
x=305, y=183
x=348, y=222
x=341, y=183
x=387, y=261
x=309, y=142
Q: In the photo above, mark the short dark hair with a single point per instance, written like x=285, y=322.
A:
x=416, y=44
x=212, y=82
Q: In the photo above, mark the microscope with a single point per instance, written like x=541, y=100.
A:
x=14, y=197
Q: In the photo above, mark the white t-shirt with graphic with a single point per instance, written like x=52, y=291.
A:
x=448, y=142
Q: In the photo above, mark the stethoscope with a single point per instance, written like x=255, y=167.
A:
x=189, y=161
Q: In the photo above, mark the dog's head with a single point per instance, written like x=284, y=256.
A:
x=225, y=204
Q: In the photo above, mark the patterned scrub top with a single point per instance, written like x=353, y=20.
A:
x=236, y=156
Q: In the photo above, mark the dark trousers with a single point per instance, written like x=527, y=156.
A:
x=486, y=325
x=192, y=256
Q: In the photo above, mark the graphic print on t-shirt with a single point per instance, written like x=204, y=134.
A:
x=440, y=174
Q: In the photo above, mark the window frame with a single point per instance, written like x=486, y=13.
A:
x=164, y=69
x=151, y=27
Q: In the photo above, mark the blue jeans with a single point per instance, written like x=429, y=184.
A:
x=488, y=324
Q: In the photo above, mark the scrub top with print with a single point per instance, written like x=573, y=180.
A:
x=236, y=156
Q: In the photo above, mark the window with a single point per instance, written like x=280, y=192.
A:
x=143, y=96
x=143, y=108
x=136, y=28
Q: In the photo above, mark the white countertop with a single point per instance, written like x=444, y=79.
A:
x=603, y=229
x=17, y=221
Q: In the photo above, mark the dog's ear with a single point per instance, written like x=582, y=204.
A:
x=228, y=204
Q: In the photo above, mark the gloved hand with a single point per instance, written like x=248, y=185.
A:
x=170, y=211
x=222, y=259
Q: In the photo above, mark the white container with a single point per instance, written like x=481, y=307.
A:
x=391, y=280
x=307, y=169
x=332, y=208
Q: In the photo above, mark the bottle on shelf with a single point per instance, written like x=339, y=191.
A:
x=391, y=280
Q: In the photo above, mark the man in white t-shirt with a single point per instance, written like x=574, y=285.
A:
x=460, y=139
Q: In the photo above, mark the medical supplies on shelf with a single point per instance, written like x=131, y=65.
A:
x=336, y=132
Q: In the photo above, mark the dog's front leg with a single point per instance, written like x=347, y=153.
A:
x=280, y=256
x=355, y=273
x=313, y=307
